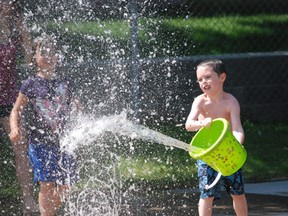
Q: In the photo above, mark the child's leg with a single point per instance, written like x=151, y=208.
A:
x=49, y=199
x=24, y=176
x=205, y=206
x=240, y=205
x=206, y=177
x=235, y=183
x=63, y=192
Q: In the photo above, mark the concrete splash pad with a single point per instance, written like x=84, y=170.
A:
x=178, y=202
x=186, y=204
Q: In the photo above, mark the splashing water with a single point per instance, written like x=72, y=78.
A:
x=93, y=140
x=87, y=129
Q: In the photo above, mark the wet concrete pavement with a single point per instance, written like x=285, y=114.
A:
x=270, y=198
x=186, y=204
x=279, y=188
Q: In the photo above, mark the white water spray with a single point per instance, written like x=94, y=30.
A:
x=101, y=191
x=87, y=129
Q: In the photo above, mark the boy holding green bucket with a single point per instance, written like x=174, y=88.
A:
x=216, y=103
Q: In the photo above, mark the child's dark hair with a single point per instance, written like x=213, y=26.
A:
x=46, y=44
x=216, y=64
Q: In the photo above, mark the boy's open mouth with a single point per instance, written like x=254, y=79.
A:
x=206, y=87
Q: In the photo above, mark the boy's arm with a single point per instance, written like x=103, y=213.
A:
x=18, y=107
x=236, y=125
x=193, y=123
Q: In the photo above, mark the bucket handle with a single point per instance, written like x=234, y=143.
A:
x=214, y=182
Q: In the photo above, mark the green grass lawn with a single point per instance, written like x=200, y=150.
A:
x=266, y=146
x=8, y=181
x=174, y=37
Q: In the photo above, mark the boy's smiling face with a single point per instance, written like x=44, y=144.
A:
x=209, y=81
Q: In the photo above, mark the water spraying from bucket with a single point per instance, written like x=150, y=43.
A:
x=119, y=124
x=95, y=141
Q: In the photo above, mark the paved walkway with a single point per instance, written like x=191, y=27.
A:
x=268, y=198
x=279, y=188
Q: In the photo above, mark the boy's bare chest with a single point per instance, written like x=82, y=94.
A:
x=216, y=110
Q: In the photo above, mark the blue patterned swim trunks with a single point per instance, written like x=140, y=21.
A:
x=233, y=184
x=50, y=164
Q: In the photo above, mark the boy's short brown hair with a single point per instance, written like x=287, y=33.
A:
x=216, y=64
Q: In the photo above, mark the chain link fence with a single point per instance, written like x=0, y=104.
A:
x=251, y=26
x=250, y=36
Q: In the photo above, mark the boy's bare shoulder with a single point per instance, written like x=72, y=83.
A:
x=199, y=98
x=230, y=98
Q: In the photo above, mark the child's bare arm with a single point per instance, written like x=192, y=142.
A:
x=236, y=125
x=21, y=102
x=193, y=123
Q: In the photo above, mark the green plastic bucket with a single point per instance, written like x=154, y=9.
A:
x=218, y=147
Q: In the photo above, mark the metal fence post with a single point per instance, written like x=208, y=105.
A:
x=134, y=58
